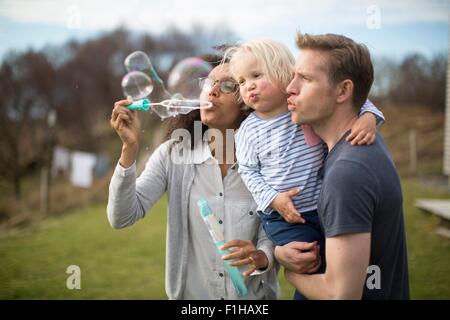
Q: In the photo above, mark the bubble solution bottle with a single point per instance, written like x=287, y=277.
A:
x=219, y=241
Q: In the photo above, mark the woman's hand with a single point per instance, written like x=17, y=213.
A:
x=299, y=257
x=127, y=125
x=245, y=253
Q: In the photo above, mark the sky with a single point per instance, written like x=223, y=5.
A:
x=389, y=28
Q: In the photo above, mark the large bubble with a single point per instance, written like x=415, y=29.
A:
x=139, y=61
x=137, y=85
x=183, y=79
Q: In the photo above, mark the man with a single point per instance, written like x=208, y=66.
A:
x=360, y=207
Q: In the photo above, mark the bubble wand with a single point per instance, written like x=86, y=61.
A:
x=138, y=85
x=182, y=106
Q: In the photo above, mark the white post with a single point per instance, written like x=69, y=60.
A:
x=412, y=151
x=45, y=171
x=447, y=121
x=44, y=189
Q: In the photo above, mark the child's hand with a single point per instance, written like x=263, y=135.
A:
x=284, y=205
x=364, y=130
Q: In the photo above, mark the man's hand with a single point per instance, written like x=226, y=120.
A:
x=299, y=257
x=364, y=130
x=285, y=207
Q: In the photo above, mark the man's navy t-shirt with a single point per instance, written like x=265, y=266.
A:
x=361, y=193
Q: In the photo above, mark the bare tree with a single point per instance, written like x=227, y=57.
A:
x=415, y=80
x=25, y=87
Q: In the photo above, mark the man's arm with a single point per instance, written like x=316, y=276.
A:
x=347, y=259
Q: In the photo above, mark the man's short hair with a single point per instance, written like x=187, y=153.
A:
x=346, y=60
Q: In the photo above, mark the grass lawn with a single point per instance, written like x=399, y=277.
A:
x=129, y=263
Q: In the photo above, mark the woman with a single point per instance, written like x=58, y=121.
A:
x=194, y=270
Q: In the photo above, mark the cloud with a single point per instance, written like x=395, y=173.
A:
x=245, y=17
x=248, y=19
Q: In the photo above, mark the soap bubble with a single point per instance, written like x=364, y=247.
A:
x=139, y=61
x=137, y=85
x=183, y=78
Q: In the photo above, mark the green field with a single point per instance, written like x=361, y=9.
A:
x=129, y=263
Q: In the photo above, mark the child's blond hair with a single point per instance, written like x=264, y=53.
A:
x=273, y=57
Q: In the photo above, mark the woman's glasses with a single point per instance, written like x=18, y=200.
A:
x=226, y=86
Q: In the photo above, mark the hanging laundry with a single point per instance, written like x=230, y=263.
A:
x=101, y=166
x=61, y=161
x=82, y=168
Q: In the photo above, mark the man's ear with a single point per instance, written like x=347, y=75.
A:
x=344, y=91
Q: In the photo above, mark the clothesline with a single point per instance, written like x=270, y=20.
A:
x=79, y=166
